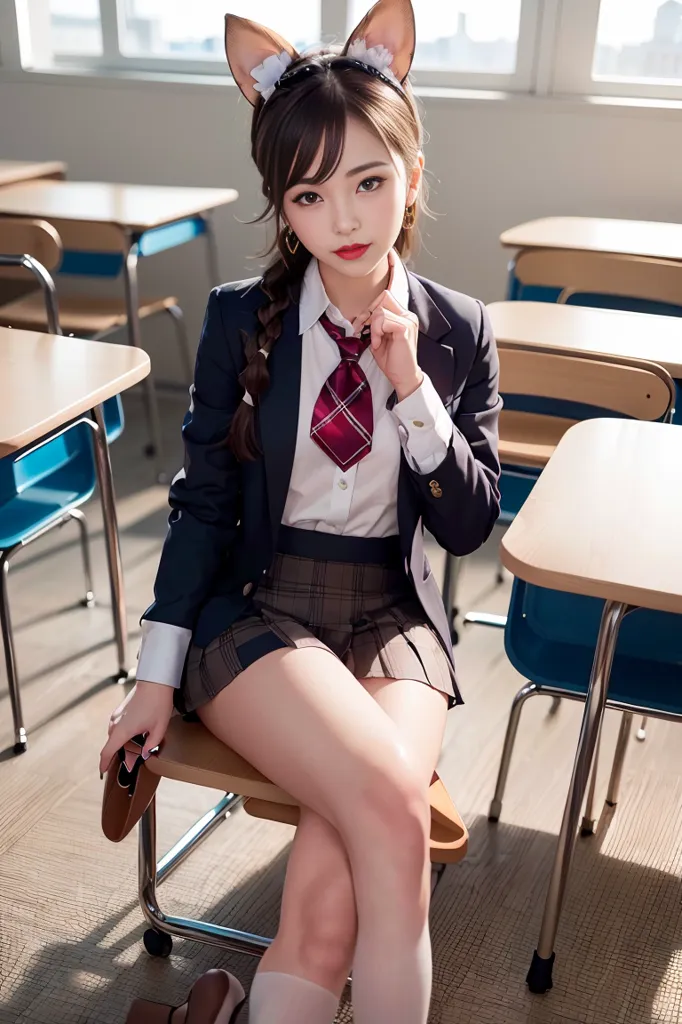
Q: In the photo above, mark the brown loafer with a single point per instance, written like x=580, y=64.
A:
x=216, y=998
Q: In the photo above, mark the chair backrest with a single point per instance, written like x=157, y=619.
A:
x=632, y=387
x=21, y=236
x=596, y=273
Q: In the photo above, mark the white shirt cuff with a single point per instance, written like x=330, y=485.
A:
x=424, y=426
x=163, y=652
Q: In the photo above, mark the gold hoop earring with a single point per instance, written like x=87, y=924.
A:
x=288, y=235
x=410, y=216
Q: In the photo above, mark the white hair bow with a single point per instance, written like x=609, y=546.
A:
x=246, y=397
x=268, y=74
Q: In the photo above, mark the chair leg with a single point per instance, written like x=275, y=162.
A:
x=154, y=449
x=76, y=514
x=641, y=732
x=539, y=977
x=20, y=739
x=158, y=938
x=529, y=690
x=619, y=759
x=589, y=821
x=186, y=355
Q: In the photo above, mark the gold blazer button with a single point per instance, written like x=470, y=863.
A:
x=436, y=490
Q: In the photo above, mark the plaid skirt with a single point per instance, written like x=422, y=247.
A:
x=365, y=613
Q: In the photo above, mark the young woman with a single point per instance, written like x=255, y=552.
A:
x=340, y=405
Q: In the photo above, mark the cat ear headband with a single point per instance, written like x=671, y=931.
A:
x=382, y=45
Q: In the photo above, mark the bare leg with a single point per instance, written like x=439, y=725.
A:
x=303, y=720
x=318, y=919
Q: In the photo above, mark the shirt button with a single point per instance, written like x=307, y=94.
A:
x=343, y=484
x=247, y=589
x=417, y=423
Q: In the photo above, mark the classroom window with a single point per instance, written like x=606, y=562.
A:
x=639, y=41
x=619, y=48
x=74, y=26
x=194, y=31
x=585, y=47
x=479, y=36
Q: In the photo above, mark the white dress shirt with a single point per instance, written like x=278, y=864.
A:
x=360, y=501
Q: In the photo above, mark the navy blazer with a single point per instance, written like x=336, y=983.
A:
x=225, y=515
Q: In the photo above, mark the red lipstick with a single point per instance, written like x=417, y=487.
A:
x=351, y=252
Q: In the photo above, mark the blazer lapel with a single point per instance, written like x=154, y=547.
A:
x=433, y=353
x=278, y=414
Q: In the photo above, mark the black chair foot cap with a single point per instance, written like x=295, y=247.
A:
x=539, y=977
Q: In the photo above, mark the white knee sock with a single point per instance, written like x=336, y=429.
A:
x=392, y=989
x=285, y=999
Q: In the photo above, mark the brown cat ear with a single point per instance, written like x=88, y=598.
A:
x=389, y=24
x=257, y=56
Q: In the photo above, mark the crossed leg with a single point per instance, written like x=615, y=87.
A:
x=318, y=919
x=360, y=760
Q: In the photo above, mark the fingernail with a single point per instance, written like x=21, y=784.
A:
x=145, y=757
x=101, y=775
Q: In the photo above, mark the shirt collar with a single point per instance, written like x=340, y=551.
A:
x=314, y=302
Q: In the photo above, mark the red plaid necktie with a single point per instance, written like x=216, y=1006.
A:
x=343, y=419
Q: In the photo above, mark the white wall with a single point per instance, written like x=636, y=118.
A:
x=493, y=163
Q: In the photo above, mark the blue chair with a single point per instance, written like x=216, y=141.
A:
x=42, y=487
x=550, y=639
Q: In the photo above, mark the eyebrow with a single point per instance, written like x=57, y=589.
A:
x=355, y=170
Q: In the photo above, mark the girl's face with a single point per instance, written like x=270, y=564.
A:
x=352, y=220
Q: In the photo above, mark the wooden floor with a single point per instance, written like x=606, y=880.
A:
x=70, y=927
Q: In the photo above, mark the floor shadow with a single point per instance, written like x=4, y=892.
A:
x=34, y=728
x=618, y=941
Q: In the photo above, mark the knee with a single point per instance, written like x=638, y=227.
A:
x=327, y=927
x=394, y=815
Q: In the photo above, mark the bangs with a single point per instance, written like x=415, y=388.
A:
x=315, y=125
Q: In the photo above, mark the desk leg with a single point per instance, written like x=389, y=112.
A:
x=155, y=448
x=111, y=540
x=539, y=978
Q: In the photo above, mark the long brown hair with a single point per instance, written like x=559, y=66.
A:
x=286, y=134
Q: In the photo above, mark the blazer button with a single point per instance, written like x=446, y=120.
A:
x=247, y=589
x=436, y=489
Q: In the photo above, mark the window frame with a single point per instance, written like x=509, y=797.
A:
x=333, y=19
x=574, y=59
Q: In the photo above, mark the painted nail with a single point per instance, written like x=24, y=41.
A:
x=101, y=775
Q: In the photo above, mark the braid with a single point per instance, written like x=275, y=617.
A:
x=283, y=274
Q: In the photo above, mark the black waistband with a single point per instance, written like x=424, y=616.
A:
x=331, y=547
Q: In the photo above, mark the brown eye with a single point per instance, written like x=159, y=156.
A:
x=306, y=198
x=372, y=184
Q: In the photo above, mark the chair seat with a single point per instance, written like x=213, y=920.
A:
x=529, y=439
x=78, y=314
x=190, y=753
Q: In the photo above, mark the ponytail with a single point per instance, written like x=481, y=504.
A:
x=279, y=281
